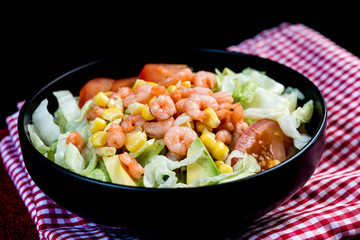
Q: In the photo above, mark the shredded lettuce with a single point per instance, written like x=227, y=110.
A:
x=44, y=124
x=74, y=161
x=91, y=166
x=36, y=140
x=151, y=148
x=67, y=104
x=68, y=156
x=291, y=122
x=159, y=172
x=69, y=115
x=98, y=174
x=244, y=85
x=59, y=157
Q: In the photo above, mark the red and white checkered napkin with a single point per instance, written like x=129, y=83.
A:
x=327, y=207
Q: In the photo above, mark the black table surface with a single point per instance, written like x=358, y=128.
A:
x=42, y=45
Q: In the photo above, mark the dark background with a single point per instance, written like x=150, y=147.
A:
x=41, y=44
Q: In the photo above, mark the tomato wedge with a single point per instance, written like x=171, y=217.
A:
x=123, y=82
x=156, y=72
x=92, y=87
x=265, y=140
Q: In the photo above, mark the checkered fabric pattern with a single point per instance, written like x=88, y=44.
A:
x=327, y=207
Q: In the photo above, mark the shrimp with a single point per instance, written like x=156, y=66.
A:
x=226, y=125
x=142, y=94
x=205, y=79
x=178, y=139
x=180, y=106
x=223, y=136
x=183, y=75
x=158, y=90
x=237, y=113
x=223, y=114
x=185, y=92
x=174, y=157
x=131, y=121
x=225, y=103
x=98, y=111
x=162, y=108
x=182, y=92
x=223, y=97
x=116, y=136
x=92, y=87
x=158, y=129
x=122, y=92
x=76, y=139
x=240, y=127
x=134, y=168
x=196, y=103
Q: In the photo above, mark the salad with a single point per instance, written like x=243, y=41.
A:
x=171, y=127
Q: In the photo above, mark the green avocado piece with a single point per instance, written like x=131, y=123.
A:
x=204, y=166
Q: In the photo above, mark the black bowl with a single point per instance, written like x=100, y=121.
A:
x=219, y=210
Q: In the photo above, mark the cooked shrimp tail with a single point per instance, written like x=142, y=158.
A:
x=134, y=168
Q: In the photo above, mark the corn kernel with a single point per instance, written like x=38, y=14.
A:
x=152, y=83
x=152, y=100
x=135, y=141
x=225, y=168
x=171, y=88
x=146, y=114
x=99, y=138
x=98, y=124
x=111, y=114
x=220, y=151
x=137, y=83
x=211, y=119
x=136, y=108
x=186, y=84
x=218, y=163
x=118, y=103
x=208, y=139
x=200, y=127
x=107, y=151
x=108, y=93
x=188, y=124
x=101, y=99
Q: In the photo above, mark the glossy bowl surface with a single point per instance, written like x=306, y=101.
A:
x=219, y=210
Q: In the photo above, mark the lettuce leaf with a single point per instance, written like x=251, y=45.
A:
x=59, y=156
x=159, y=172
x=36, y=140
x=69, y=115
x=151, y=148
x=244, y=85
x=98, y=174
x=74, y=161
x=291, y=122
x=67, y=104
x=263, y=81
x=44, y=124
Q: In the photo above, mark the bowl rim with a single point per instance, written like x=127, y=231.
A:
x=25, y=140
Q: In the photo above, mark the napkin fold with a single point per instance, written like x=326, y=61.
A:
x=327, y=207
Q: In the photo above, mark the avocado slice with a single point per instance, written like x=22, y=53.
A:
x=117, y=172
x=204, y=166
